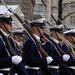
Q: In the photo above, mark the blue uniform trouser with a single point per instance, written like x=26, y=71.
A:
x=20, y=69
x=64, y=70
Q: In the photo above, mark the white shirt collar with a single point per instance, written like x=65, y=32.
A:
x=37, y=37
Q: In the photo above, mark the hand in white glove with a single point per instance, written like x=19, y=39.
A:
x=49, y=59
x=66, y=57
x=1, y=74
x=15, y=74
x=16, y=59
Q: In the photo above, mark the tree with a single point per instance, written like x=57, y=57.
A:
x=59, y=12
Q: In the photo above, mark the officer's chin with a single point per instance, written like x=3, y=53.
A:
x=10, y=32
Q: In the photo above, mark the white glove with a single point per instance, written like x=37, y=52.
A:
x=16, y=59
x=49, y=59
x=1, y=74
x=15, y=74
x=66, y=57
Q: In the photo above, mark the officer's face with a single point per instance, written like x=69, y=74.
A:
x=20, y=38
x=54, y=35
x=6, y=27
x=41, y=29
x=9, y=27
x=69, y=39
x=38, y=30
x=73, y=37
x=16, y=38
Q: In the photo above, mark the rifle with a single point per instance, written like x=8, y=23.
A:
x=10, y=49
x=28, y=32
x=73, y=41
x=45, y=37
x=20, y=67
x=67, y=43
x=70, y=47
x=57, y=46
x=19, y=48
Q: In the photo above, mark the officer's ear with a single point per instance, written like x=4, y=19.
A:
x=1, y=24
x=34, y=28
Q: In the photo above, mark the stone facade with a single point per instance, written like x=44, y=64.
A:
x=25, y=5
x=27, y=8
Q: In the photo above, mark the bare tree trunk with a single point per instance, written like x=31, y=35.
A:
x=59, y=12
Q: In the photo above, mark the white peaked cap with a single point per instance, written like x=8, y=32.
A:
x=56, y=26
x=39, y=20
x=69, y=31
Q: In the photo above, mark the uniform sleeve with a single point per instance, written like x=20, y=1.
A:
x=5, y=61
x=52, y=51
x=13, y=45
x=30, y=56
x=66, y=49
x=48, y=47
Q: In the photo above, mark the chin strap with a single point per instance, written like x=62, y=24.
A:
x=5, y=27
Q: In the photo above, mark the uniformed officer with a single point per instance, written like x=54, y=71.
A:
x=19, y=37
x=51, y=50
x=32, y=56
x=5, y=28
x=70, y=35
x=57, y=32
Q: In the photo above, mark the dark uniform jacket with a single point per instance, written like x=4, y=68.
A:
x=52, y=51
x=32, y=57
x=71, y=61
x=57, y=59
x=20, y=69
x=5, y=60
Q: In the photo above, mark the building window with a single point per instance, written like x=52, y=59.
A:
x=39, y=9
x=72, y=20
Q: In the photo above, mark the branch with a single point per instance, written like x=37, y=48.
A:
x=43, y=3
x=68, y=15
x=54, y=19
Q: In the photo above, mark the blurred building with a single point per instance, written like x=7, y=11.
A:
x=25, y=5
x=68, y=14
x=50, y=7
x=47, y=8
x=39, y=9
x=42, y=9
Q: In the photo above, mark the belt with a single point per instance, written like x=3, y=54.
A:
x=72, y=67
x=57, y=67
x=35, y=68
x=52, y=66
x=5, y=69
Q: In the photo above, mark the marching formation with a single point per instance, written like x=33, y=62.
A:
x=38, y=54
